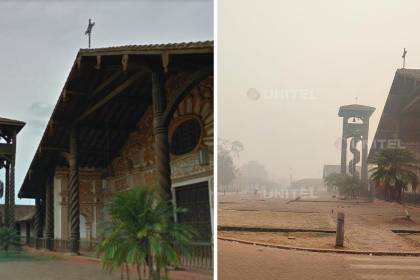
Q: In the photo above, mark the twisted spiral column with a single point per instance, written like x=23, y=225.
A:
x=74, y=195
x=12, y=192
x=37, y=222
x=49, y=211
x=160, y=132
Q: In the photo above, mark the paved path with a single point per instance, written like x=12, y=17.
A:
x=363, y=233
x=367, y=225
x=242, y=262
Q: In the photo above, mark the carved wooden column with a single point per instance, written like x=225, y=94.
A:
x=12, y=192
x=160, y=131
x=74, y=204
x=49, y=211
x=6, y=195
x=38, y=222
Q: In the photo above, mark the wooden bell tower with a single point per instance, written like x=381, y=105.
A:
x=8, y=132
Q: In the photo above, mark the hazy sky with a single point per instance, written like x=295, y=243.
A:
x=39, y=41
x=305, y=59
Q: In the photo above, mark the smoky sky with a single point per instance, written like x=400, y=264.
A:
x=39, y=41
x=285, y=67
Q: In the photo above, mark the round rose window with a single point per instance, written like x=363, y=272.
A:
x=185, y=137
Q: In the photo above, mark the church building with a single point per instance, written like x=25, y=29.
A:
x=130, y=116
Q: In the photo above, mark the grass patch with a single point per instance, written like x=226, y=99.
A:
x=22, y=256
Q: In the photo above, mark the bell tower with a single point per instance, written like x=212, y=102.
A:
x=356, y=127
x=8, y=132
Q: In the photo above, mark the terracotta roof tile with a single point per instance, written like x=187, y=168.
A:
x=153, y=47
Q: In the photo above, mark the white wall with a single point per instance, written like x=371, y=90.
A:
x=57, y=208
x=83, y=228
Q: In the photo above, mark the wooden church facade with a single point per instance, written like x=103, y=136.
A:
x=127, y=117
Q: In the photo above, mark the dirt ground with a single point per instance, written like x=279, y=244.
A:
x=47, y=265
x=247, y=262
x=368, y=225
x=52, y=270
x=265, y=218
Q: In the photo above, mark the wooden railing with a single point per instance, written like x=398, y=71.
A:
x=202, y=257
x=61, y=245
x=88, y=245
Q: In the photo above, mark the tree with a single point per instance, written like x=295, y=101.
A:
x=226, y=169
x=394, y=172
x=142, y=232
x=345, y=184
x=331, y=180
x=254, y=169
x=227, y=152
x=8, y=238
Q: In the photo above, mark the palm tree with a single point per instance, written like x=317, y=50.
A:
x=394, y=172
x=9, y=238
x=142, y=232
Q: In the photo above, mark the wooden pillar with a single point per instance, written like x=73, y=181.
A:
x=38, y=222
x=49, y=211
x=28, y=232
x=160, y=131
x=364, y=177
x=344, y=149
x=12, y=192
x=74, y=204
x=6, y=195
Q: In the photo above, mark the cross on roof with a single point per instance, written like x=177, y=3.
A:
x=89, y=29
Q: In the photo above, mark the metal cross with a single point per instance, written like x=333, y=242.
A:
x=89, y=29
x=357, y=98
x=403, y=56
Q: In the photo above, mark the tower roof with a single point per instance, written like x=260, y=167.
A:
x=355, y=110
x=6, y=123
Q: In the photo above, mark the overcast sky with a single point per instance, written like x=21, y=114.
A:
x=322, y=54
x=39, y=41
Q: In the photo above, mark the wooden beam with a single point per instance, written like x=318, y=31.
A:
x=410, y=104
x=119, y=89
x=105, y=83
x=7, y=149
x=192, y=80
x=74, y=92
x=98, y=126
x=66, y=150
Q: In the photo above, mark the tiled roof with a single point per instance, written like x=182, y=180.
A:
x=413, y=73
x=153, y=47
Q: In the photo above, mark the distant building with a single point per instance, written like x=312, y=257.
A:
x=251, y=184
x=334, y=168
x=24, y=215
x=330, y=169
x=309, y=185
